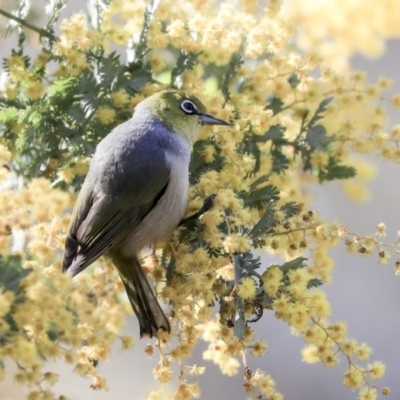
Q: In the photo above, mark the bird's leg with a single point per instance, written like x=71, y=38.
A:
x=207, y=205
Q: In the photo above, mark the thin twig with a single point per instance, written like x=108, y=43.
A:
x=23, y=22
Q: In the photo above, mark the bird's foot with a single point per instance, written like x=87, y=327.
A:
x=207, y=205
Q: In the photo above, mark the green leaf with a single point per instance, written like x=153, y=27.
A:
x=275, y=104
x=237, y=262
x=249, y=145
x=231, y=69
x=266, y=301
x=89, y=90
x=169, y=265
x=259, y=181
x=240, y=322
x=109, y=71
x=63, y=92
x=315, y=282
x=335, y=171
x=279, y=161
x=142, y=46
x=265, y=223
x=185, y=62
x=274, y=133
x=320, y=111
x=296, y=263
x=11, y=272
x=290, y=209
x=9, y=115
x=138, y=79
x=316, y=137
x=61, y=87
x=259, y=197
x=53, y=332
x=246, y=265
x=294, y=80
x=197, y=164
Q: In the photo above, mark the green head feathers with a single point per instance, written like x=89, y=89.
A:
x=180, y=112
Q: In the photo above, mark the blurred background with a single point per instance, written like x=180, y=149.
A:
x=363, y=293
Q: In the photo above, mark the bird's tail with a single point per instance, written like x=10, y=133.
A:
x=149, y=313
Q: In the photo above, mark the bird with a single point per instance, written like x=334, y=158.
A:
x=135, y=193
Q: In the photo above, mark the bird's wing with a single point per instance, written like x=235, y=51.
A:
x=100, y=220
x=81, y=210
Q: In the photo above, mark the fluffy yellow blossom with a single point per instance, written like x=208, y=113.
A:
x=247, y=288
x=25, y=351
x=385, y=391
x=236, y=243
x=176, y=29
x=157, y=62
x=153, y=395
x=353, y=378
x=356, y=191
x=120, y=98
x=226, y=272
x=259, y=348
x=338, y=331
x=163, y=372
x=298, y=281
x=127, y=342
x=396, y=100
x=67, y=175
x=319, y=159
x=363, y=351
x=194, y=370
x=376, y=370
x=34, y=90
x=187, y=391
x=121, y=20
x=74, y=35
x=381, y=229
x=265, y=383
x=318, y=303
x=105, y=115
x=16, y=67
x=330, y=360
x=367, y=393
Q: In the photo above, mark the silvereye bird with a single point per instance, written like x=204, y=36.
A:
x=135, y=193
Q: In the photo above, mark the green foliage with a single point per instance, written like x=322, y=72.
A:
x=232, y=68
x=185, y=61
x=319, y=113
x=336, y=171
x=268, y=221
x=11, y=273
x=142, y=47
x=239, y=321
x=293, y=264
x=260, y=197
x=293, y=80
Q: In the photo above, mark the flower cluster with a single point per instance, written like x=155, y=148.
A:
x=293, y=121
x=49, y=316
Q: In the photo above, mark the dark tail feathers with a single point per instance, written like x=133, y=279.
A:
x=149, y=313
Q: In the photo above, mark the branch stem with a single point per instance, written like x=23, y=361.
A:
x=26, y=24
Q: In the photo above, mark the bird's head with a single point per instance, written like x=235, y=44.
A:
x=181, y=113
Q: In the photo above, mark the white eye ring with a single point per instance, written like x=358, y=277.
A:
x=188, y=107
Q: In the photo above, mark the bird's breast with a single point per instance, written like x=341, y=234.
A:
x=159, y=223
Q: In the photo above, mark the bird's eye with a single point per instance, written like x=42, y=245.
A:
x=188, y=107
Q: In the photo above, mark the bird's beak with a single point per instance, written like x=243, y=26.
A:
x=208, y=119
